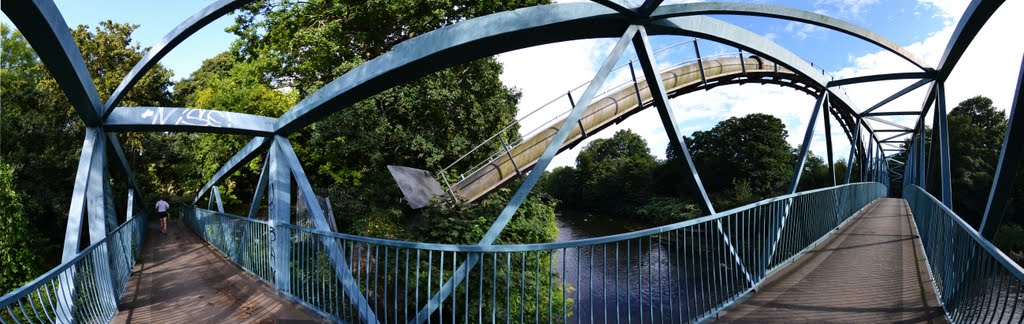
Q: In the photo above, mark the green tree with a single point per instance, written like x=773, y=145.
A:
x=20, y=246
x=752, y=147
x=615, y=174
x=815, y=173
x=42, y=131
x=564, y=184
x=976, y=131
x=225, y=83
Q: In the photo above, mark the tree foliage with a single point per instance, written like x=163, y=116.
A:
x=226, y=83
x=41, y=131
x=976, y=131
x=310, y=43
x=21, y=247
x=752, y=148
x=616, y=177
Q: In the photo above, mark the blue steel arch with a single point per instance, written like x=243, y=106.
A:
x=169, y=42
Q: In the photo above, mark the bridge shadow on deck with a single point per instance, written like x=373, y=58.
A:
x=871, y=271
x=181, y=279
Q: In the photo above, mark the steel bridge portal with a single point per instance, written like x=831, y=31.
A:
x=842, y=253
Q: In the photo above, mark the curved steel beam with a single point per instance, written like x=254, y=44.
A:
x=770, y=11
x=174, y=119
x=175, y=37
x=648, y=7
x=615, y=5
x=455, y=44
x=977, y=13
x=45, y=29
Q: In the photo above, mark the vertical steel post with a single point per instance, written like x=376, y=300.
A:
x=279, y=213
x=73, y=232
x=636, y=87
x=97, y=207
x=130, y=211
x=1006, y=170
x=508, y=151
x=865, y=173
x=743, y=63
x=700, y=63
x=932, y=155
x=109, y=210
x=853, y=150
x=921, y=162
x=828, y=142
x=572, y=103
x=940, y=111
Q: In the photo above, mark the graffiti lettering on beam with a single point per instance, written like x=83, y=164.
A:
x=188, y=119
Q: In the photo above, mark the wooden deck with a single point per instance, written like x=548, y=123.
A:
x=871, y=271
x=181, y=279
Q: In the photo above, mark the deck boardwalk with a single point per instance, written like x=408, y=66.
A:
x=181, y=279
x=871, y=271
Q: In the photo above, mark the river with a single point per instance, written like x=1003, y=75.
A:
x=641, y=283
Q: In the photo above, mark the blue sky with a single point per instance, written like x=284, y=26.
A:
x=543, y=73
x=155, y=19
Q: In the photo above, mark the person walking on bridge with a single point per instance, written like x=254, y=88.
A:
x=161, y=210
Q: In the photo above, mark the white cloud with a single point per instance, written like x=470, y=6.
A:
x=849, y=8
x=950, y=9
x=801, y=30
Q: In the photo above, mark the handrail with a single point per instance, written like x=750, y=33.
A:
x=702, y=257
x=560, y=245
x=1014, y=268
x=974, y=280
x=124, y=243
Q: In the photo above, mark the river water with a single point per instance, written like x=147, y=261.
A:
x=641, y=283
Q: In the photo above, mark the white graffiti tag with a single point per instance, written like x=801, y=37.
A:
x=186, y=117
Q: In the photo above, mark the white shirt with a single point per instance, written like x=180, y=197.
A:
x=161, y=206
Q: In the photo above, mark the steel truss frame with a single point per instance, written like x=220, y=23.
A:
x=45, y=29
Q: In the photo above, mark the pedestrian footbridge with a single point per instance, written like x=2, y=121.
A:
x=879, y=245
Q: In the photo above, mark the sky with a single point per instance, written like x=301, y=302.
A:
x=545, y=73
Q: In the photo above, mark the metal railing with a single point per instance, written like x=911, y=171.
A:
x=975, y=282
x=78, y=291
x=686, y=271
